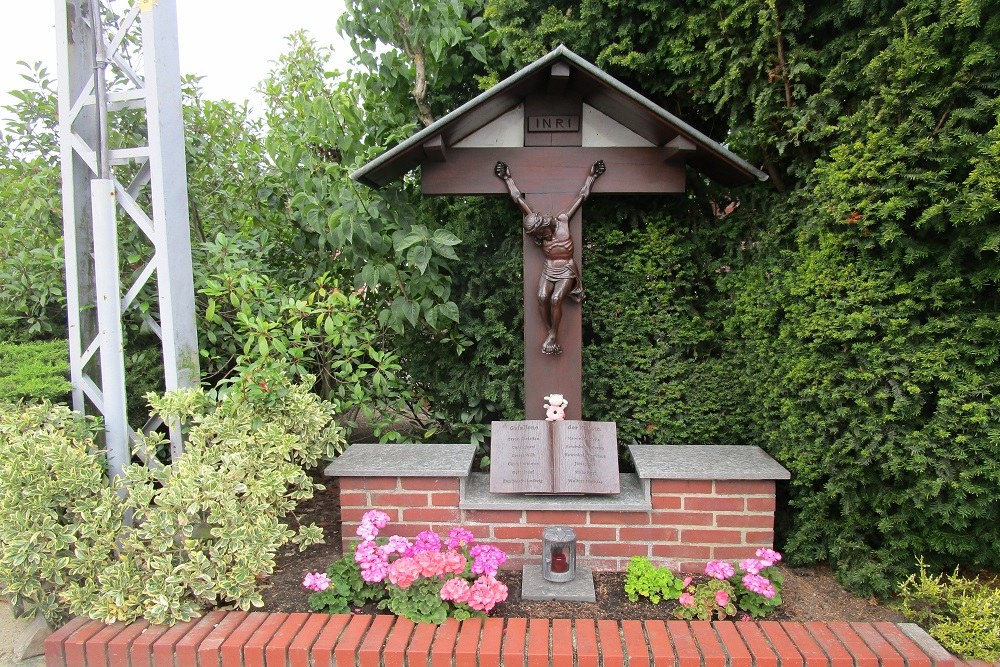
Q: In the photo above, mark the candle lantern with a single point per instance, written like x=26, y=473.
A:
x=558, y=554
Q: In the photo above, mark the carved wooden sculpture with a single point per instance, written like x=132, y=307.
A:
x=560, y=275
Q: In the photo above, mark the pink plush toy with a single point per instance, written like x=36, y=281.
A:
x=555, y=407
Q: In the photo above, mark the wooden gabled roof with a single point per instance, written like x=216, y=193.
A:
x=598, y=89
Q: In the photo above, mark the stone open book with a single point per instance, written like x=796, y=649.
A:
x=538, y=456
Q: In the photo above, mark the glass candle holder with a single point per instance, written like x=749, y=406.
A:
x=558, y=554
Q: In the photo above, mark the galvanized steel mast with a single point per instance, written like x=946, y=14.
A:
x=93, y=197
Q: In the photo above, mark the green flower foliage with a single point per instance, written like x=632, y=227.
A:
x=642, y=578
x=347, y=591
x=162, y=543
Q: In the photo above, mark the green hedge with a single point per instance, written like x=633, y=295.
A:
x=34, y=370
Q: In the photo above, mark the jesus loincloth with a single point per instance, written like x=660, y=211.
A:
x=565, y=270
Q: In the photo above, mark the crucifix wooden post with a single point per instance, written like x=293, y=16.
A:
x=549, y=124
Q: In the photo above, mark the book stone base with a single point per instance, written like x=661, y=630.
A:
x=536, y=588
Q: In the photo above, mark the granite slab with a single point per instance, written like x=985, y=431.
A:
x=403, y=460
x=724, y=462
x=634, y=497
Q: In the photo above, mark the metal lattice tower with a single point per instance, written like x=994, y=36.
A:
x=96, y=203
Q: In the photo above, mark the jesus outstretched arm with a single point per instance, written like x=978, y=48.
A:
x=596, y=170
x=502, y=172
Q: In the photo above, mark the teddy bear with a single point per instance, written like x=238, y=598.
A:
x=555, y=407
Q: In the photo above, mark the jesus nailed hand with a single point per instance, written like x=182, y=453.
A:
x=560, y=275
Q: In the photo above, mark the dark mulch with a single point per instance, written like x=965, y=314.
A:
x=809, y=594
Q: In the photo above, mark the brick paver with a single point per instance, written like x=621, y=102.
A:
x=586, y=643
x=733, y=644
x=659, y=644
x=635, y=644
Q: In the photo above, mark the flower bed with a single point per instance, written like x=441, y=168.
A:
x=425, y=580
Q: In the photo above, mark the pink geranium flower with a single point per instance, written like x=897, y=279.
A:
x=403, y=572
x=454, y=562
x=721, y=598
x=396, y=545
x=487, y=559
x=459, y=537
x=431, y=563
x=770, y=556
x=371, y=523
x=485, y=593
x=373, y=561
x=719, y=569
x=426, y=541
x=455, y=590
x=316, y=581
x=758, y=584
x=686, y=600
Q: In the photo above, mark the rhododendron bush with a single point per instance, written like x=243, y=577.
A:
x=426, y=580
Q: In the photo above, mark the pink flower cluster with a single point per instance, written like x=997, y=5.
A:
x=758, y=584
x=374, y=561
x=769, y=556
x=459, y=537
x=426, y=541
x=484, y=593
x=765, y=559
x=316, y=582
x=487, y=559
x=719, y=569
x=752, y=580
x=424, y=558
x=371, y=523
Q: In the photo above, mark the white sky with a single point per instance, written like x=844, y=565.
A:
x=231, y=43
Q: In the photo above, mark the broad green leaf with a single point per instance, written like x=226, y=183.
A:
x=419, y=256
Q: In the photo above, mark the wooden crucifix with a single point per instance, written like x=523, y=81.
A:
x=553, y=125
x=545, y=184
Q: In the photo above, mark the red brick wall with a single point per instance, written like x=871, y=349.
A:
x=691, y=523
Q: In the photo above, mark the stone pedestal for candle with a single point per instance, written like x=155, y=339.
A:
x=557, y=578
x=535, y=587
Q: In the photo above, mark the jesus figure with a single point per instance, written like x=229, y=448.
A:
x=560, y=276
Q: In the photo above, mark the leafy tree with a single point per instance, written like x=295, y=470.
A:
x=32, y=304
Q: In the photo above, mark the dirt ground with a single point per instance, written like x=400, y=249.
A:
x=809, y=593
